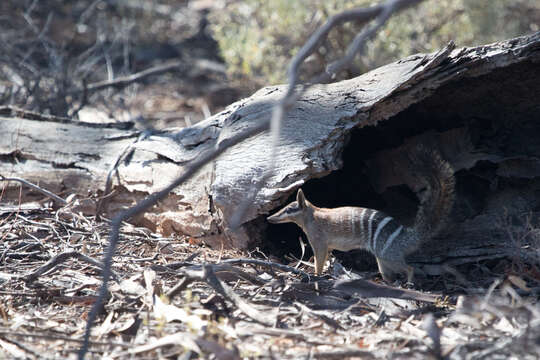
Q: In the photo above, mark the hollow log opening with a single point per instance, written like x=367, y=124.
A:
x=487, y=127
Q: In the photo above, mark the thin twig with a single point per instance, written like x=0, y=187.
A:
x=176, y=289
x=27, y=349
x=208, y=275
x=60, y=258
x=37, y=188
x=129, y=79
x=128, y=151
x=268, y=264
x=341, y=354
x=83, y=99
x=384, y=12
x=225, y=291
x=185, y=340
x=124, y=81
x=60, y=337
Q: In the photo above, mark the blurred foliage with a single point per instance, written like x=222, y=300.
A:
x=258, y=38
x=51, y=50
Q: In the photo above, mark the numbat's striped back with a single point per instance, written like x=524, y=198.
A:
x=351, y=228
x=382, y=231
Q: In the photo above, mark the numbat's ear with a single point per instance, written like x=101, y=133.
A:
x=301, y=199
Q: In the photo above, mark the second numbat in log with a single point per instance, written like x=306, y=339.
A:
x=348, y=228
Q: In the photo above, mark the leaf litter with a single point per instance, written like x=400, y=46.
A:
x=174, y=299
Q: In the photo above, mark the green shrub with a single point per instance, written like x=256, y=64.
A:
x=258, y=38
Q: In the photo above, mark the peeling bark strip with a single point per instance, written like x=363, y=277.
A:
x=73, y=157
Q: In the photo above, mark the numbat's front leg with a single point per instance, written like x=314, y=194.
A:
x=320, y=255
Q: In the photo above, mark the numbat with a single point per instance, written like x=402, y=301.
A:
x=348, y=228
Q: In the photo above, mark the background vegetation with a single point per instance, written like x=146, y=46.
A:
x=55, y=52
x=257, y=38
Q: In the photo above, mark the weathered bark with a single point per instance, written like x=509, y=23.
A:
x=479, y=106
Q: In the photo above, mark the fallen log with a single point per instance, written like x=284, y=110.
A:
x=342, y=142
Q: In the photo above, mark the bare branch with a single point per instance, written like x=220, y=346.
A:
x=60, y=258
x=227, y=293
x=155, y=70
x=389, y=8
x=128, y=151
x=55, y=197
x=129, y=79
x=268, y=264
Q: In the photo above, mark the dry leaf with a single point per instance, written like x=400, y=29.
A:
x=170, y=313
x=519, y=282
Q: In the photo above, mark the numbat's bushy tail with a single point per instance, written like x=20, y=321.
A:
x=348, y=228
x=432, y=215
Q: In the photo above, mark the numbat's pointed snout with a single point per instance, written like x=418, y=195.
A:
x=274, y=219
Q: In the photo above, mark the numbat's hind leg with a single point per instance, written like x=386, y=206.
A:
x=389, y=270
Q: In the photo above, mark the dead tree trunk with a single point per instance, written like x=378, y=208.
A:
x=342, y=142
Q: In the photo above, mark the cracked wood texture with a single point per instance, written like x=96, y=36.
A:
x=479, y=106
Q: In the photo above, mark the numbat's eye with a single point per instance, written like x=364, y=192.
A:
x=290, y=210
